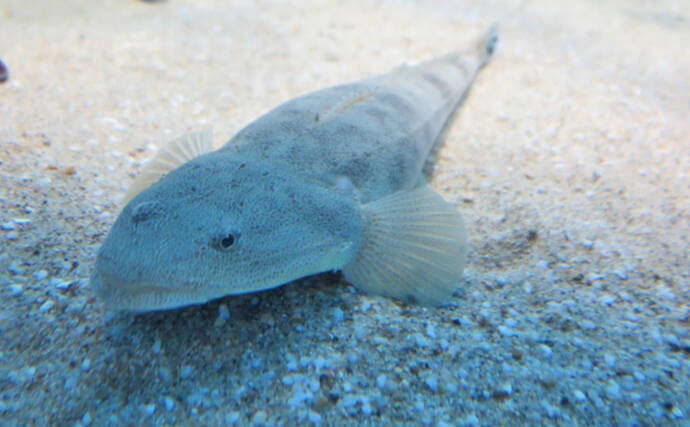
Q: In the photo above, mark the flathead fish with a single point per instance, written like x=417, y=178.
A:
x=328, y=181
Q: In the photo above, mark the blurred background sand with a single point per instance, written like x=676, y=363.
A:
x=569, y=160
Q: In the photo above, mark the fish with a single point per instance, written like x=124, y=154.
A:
x=329, y=181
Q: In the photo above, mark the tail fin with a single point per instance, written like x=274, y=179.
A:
x=487, y=44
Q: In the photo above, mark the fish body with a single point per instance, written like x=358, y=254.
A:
x=331, y=180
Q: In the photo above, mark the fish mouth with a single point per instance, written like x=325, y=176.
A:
x=140, y=296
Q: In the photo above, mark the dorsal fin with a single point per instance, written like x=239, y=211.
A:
x=175, y=153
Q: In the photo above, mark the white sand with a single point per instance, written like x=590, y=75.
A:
x=569, y=160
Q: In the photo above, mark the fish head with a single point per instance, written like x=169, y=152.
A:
x=217, y=226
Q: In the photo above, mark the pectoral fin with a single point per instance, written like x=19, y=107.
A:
x=414, y=248
x=177, y=152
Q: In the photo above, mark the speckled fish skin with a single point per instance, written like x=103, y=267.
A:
x=377, y=132
x=330, y=180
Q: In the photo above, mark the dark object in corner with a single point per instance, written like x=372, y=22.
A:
x=4, y=74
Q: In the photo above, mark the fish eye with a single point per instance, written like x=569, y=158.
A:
x=227, y=240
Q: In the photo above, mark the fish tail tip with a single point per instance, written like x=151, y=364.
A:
x=488, y=43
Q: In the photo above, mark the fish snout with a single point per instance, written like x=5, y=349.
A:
x=117, y=293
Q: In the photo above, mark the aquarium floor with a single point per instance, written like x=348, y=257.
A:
x=569, y=161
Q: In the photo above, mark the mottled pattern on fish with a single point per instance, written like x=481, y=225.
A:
x=378, y=132
x=331, y=180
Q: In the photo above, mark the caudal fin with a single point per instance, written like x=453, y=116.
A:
x=487, y=44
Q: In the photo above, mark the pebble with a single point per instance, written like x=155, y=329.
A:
x=197, y=398
x=304, y=361
x=186, y=372
x=259, y=418
x=86, y=365
x=366, y=409
x=8, y=226
x=40, y=275
x=430, y=331
x=579, y=395
x=666, y=293
x=420, y=340
x=626, y=296
x=60, y=283
x=350, y=400
x=607, y=299
x=28, y=374
x=46, y=306
x=546, y=351
x=677, y=412
x=320, y=363
x=156, y=348
x=381, y=382
x=610, y=360
x=359, y=331
x=596, y=399
x=630, y=317
x=431, y=383
x=470, y=420
x=70, y=383
x=169, y=403
x=223, y=312
x=15, y=289
x=300, y=395
x=588, y=325
x=148, y=409
x=338, y=315
x=621, y=274
x=291, y=364
x=15, y=268
x=232, y=418
x=484, y=312
x=506, y=387
x=86, y=419
x=165, y=375
x=613, y=390
x=551, y=411
x=314, y=417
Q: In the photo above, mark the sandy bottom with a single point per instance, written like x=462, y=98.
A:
x=569, y=161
